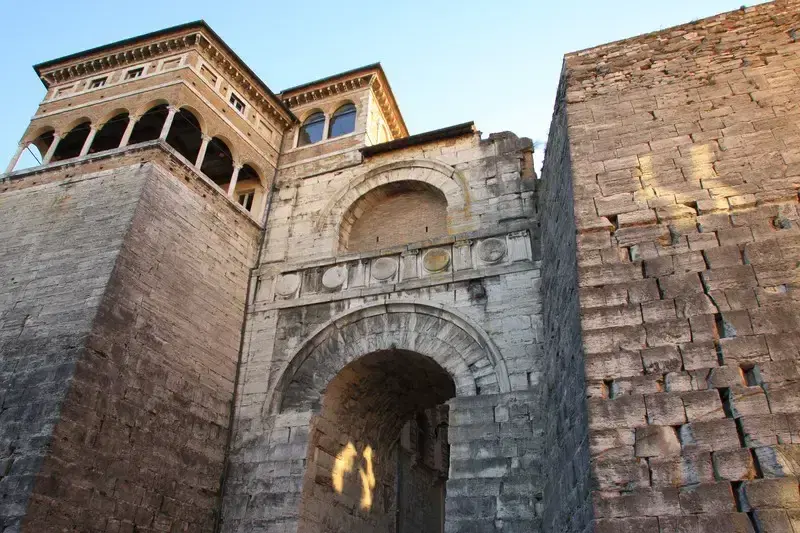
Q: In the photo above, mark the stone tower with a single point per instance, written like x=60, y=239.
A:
x=674, y=158
x=229, y=310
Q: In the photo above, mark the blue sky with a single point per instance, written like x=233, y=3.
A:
x=495, y=62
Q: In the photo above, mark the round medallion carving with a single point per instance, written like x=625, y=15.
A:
x=436, y=260
x=384, y=268
x=491, y=250
x=334, y=277
x=287, y=284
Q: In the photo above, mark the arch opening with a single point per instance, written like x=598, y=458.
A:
x=43, y=142
x=343, y=121
x=378, y=454
x=185, y=135
x=70, y=146
x=394, y=214
x=148, y=127
x=110, y=135
x=312, y=129
x=248, y=187
x=218, y=162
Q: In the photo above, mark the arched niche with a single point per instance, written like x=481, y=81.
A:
x=334, y=221
x=394, y=214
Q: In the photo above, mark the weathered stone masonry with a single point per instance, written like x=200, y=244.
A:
x=684, y=160
x=467, y=302
x=119, y=368
x=422, y=336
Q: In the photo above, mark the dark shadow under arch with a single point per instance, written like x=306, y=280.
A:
x=185, y=135
x=381, y=422
x=148, y=127
x=218, y=162
x=70, y=146
x=110, y=135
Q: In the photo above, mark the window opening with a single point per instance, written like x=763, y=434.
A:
x=237, y=103
x=343, y=121
x=312, y=129
x=134, y=73
x=99, y=82
x=245, y=199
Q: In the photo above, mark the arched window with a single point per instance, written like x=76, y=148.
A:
x=218, y=163
x=70, y=146
x=312, y=129
x=247, y=185
x=343, y=121
x=110, y=135
x=43, y=142
x=148, y=128
x=185, y=135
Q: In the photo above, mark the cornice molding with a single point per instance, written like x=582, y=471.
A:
x=389, y=108
x=324, y=91
x=243, y=83
x=147, y=50
x=115, y=59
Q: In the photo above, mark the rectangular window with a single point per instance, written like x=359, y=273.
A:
x=99, y=82
x=245, y=199
x=237, y=103
x=134, y=73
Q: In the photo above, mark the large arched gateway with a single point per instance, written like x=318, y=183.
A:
x=372, y=387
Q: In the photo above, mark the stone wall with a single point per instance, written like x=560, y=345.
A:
x=684, y=156
x=54, y=262
x=344, y=349
x=562, y=405
x=140, y=343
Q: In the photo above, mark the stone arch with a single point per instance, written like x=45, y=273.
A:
x=415, y=211
x=110, y=133
x=108, y=115
x=262, y=178
x=449, y=338
x=74, y=123
x=186, y=134
x=142, y=109
x=197, y=115
x=72, y=142
x=438, y=175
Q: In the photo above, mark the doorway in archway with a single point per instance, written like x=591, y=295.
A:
x=378, y=454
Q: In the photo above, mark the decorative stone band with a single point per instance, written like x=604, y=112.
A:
x=400, y=270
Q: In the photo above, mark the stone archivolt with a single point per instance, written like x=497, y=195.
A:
x=439, y=175
x=451, y=339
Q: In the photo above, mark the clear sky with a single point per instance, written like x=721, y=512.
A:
x=496, y=62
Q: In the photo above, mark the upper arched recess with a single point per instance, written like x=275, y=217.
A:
x=438, y=175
